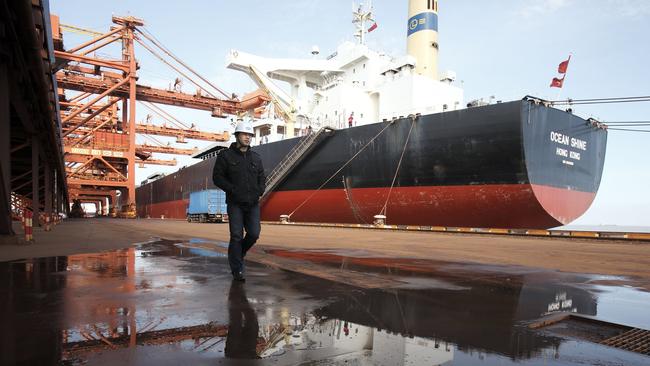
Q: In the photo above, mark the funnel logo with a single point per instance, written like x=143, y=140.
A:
x=423, y=21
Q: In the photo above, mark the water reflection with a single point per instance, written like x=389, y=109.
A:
x=174, y=299
x=243, y=328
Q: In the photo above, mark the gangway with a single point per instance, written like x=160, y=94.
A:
x=294, y=157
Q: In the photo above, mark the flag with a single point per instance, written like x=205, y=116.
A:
x=372, y=27
x=557, y=82
x=564, y=65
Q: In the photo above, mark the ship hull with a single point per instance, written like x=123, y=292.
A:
x=510, y=165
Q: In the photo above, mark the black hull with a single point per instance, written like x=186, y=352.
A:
x=496, y=166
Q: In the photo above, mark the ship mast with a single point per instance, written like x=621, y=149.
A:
x=359, y=18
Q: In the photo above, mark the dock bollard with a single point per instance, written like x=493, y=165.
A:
x=28, y=226
x=284, y=219
x=380, y=220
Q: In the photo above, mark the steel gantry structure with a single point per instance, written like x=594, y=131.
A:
x=99, y=122
x=31, y=156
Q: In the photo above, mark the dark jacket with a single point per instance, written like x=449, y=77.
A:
x=240, y=175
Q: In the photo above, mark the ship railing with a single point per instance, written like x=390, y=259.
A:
x=294, y=157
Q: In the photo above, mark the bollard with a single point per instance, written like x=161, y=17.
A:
x=47, y=222
x=162, y=217
x=284, y=219
x=380, y=220
x=28, y=226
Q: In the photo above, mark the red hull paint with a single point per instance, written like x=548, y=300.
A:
x=170, y=209
x=564, y=205
x=499, y=206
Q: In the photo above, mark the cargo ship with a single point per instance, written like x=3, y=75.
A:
x=401, y=144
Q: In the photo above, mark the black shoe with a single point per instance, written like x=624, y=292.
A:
x=238, y=276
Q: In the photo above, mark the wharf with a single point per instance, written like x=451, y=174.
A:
x=159, y=292
x=579, y=255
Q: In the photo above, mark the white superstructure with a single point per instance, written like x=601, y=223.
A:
x=354, y=85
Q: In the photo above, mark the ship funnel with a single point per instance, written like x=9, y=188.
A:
x=422, y=36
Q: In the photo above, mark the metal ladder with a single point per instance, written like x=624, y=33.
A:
x=293, y=158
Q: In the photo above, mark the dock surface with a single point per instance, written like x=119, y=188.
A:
x=159, y=292
x=605, y=257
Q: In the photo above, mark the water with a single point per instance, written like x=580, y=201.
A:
x=167, y=304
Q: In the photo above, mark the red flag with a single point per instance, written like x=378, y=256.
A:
x=372, y=27
x=564, y=65
x=557, y=83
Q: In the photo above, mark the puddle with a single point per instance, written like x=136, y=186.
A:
x=538, y=292
x=165, y=304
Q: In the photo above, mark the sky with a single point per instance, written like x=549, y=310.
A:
x=506, y=49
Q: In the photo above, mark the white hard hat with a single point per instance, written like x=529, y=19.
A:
x=246, y=127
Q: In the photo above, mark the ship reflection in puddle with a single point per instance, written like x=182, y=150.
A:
x=162, y=303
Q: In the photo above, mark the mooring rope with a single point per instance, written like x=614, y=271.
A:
x=341, y=168
x=399, y=164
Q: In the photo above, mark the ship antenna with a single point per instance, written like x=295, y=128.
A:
x=360, y=16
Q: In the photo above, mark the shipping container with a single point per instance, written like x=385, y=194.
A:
x=207, y=206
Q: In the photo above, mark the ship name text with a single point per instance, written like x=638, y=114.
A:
x=568, y=141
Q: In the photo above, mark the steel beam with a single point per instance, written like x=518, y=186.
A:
x=95, y=40
x=48, y=190
x=142, y=163
x=132, y=100
x=67, y=56
x=166, y=149
x=5, y=154
x=218, y=107
x=158, y=130
x=91, y=116
x=35, y=179
x=97, y=182
x=95, y=100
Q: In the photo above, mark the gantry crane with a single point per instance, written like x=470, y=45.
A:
x=99, y=144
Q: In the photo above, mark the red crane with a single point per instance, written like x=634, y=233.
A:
x=99, y=144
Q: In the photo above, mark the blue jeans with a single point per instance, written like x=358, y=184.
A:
x=240, y=218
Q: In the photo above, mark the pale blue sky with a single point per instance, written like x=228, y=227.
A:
x=505, y=48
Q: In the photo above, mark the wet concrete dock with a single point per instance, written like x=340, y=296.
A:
x=171, y=301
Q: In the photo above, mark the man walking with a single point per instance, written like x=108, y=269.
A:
x=238, y=171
